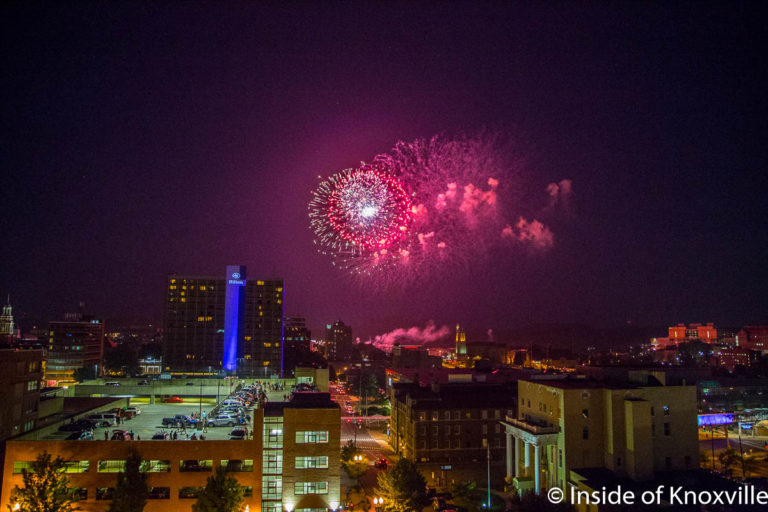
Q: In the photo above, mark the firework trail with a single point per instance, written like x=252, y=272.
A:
x=424, y=207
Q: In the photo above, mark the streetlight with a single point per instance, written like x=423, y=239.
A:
x=16, y=506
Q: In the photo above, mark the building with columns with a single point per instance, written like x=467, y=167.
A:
x=568, y=424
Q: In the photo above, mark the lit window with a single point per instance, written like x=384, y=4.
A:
x=194, y=465
x=156, y=466
x=76, y=466
x=310, y=488
x=319, y=462
x=237, y=465
x=111, y=466
x=311, y=436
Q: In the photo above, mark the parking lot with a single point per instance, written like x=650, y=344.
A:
x=150, y=420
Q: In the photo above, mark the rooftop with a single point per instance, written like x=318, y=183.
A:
x=459, y=395
x=301, y=400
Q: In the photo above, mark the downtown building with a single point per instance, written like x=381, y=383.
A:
x=75, y=344
x=451, y=429
x=297, y=341
x=338, y=341
x=681, y=333
x=226, y=324
x=584, y=433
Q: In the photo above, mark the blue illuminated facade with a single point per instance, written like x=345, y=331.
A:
x=234, y=304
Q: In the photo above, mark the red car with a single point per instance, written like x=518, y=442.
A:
x=173, y=400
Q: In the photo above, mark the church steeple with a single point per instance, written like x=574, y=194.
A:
x=6, y=322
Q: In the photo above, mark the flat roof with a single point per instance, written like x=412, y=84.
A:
x=301, y=400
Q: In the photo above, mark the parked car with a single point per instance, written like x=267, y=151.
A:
x=233, y=410
x=135, y=410
x=179, y=418
x=143, y=383
x=103, y=420
x=223, y=420
x=112, y=383
x=121, y=435
x=78, y=426
x=161, y=436
x=238, y=434
x=173, y=400
x=80, y=436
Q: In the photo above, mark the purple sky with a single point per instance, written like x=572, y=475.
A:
x=140, y=139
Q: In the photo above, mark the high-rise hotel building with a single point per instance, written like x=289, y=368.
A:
x=227, y=323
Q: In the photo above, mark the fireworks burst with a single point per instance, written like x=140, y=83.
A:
x=359, y=213
x=425, y=206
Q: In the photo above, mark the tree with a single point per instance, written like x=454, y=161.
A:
x=222, y=493
x=349, y=451
x=83, y=374
x=46, y=488
x=728, y=460
x=356, y=468
x=131, y=491
x=124, y=357
x=403, y=487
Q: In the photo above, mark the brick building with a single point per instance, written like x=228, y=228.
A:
x=450, y=424
x=292, y=462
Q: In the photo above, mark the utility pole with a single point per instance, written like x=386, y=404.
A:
x=488, y=447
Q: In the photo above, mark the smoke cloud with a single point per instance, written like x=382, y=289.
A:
x=560, y=193
x=533, y=232
x=411, y=336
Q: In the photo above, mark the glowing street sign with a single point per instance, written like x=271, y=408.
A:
x=715, y=419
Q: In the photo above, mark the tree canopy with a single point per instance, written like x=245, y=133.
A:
x=403, y=487
x=131, y=491
x=222, y=493
x=46, y=487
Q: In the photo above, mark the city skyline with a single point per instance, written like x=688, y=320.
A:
x=136, y=148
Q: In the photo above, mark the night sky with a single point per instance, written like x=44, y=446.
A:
x=148, y=138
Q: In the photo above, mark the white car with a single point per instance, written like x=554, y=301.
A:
x=223, y=420
x=135, y=410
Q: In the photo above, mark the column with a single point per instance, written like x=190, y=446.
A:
x=527, y=458
x=536, y=468
x=517, y=457
x=509, y=455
